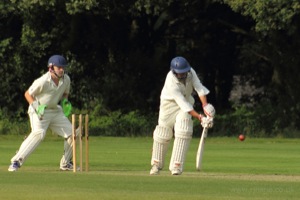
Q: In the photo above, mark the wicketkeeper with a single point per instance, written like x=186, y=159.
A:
x=45, y=112
x=176, y=111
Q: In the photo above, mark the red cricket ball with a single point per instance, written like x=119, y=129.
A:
x=242, y=137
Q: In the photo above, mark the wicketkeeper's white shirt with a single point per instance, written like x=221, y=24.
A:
x=46, y=92
x=181, y=93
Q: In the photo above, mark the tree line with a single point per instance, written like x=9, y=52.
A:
x=120, y=51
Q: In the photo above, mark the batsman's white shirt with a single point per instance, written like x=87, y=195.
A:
x=176, y=101
x=174, y=90
x=47, y=93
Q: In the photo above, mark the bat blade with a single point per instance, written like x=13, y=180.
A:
x=201, y=149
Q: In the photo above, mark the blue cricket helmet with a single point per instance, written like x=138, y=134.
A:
x=180, y=65
x=57, y=60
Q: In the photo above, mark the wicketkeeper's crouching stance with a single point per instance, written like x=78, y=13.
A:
x=44, y=112
x=176, y=111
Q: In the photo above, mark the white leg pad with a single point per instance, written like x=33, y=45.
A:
x=68, y=149
x=161, y=139
x=29, y=145
x=183, y=135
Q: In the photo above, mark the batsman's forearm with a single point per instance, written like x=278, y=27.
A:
x=194, y=114
x=203, y=100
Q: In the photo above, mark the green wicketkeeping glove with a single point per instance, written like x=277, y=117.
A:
x=66, y=106
x=39, y=109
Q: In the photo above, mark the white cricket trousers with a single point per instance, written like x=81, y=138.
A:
x=173, y=118
x=57, y=122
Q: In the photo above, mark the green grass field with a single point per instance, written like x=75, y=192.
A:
x=119, y=169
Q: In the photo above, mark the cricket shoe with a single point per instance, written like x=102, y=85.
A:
x=14, y=166
x=176, y=171
x=154, y=170
x=68, y=167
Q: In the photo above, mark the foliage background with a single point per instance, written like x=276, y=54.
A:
x=246, y=53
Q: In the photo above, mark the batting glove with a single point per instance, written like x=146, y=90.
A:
x=207, y=122
x=209, y=110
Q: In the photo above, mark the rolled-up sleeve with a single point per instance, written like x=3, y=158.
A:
x=198, y=87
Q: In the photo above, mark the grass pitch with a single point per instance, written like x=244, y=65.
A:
x=119, y=169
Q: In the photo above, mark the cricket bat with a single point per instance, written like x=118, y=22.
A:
x=201, y=149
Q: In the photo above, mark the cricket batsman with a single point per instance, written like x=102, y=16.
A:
x=176, y=112
x=44, y=112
